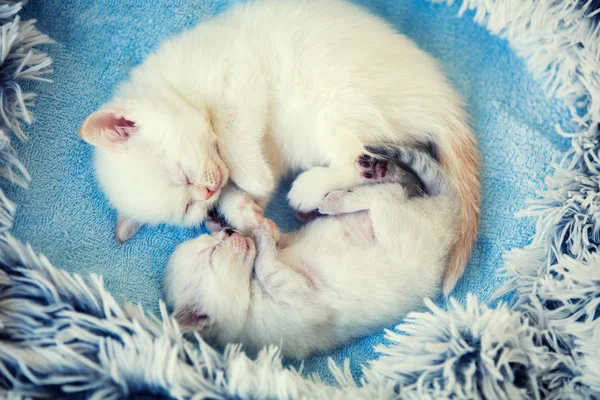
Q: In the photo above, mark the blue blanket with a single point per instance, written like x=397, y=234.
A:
x=65, y=216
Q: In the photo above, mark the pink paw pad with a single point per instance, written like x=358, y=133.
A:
x=371, y=168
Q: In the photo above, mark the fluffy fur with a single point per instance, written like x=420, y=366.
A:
x=267, y=88
x=381, y=251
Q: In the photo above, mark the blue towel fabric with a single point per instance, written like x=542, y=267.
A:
x=65, y=216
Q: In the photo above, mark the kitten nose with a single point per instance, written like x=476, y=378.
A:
x=209, y=193
x=229, y=232
x=201, y=192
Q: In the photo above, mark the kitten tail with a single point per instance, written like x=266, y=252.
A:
x=460, y=159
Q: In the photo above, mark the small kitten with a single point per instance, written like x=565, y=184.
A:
x=380, y=251
x=264, y=89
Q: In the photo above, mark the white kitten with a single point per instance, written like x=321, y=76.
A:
x=382, y=250
x=269, y=87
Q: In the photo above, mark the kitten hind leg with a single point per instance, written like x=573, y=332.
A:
x=351, y=200
x=376, y=170
x=387, y=205
x=383, y=181
x=361, y=198
x=343, y=202
x=372, y=169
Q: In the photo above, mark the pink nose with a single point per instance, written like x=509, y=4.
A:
x=201, y=192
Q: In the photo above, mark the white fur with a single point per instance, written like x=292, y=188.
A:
x=278, y=86
x=374, y=259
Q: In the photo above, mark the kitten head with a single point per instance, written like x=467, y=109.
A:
x=207, y=283
x=157, y=161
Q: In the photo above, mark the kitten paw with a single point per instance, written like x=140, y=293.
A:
x=265, y=243
x=371, y=168
x=259, y=184
x=271, y=227
x=253, y=218
x=332, y=202
x=309, y=188
x=251, y=213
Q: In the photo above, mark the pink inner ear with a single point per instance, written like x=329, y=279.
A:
x=189, y=319
x=107, y=127
x=126, y=228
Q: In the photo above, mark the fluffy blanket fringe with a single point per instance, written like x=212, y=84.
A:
x=63, y=336
x=19, y=60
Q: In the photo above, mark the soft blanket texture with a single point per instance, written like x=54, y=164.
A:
x=65, y=217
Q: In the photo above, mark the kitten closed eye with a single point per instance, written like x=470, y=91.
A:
x=188, y=206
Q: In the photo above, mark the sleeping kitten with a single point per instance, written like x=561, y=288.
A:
x=264, y=89
x=380, y=252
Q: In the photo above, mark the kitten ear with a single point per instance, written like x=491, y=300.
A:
x=190, y=319
x=126, y=228
x=107, y=128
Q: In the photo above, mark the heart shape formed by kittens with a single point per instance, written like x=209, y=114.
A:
x=65, y=216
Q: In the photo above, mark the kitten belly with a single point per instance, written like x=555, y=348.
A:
x=329, y=244
x=336, y=233
x=355, y=229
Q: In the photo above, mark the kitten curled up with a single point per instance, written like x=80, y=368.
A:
x=381, y=249
x=264, y=89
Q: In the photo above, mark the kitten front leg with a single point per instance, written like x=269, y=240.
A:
x=248, y=167
x=243, y=213
x=242, y=124
x=266, y=246
x=311, y=186
x=279, y=281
